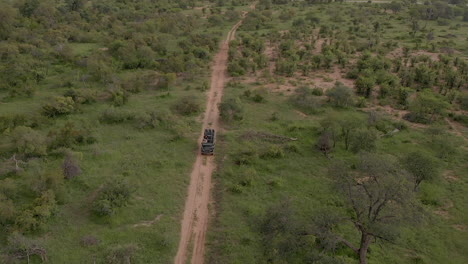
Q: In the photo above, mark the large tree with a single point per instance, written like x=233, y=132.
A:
x=422, y=166
x=378, y=197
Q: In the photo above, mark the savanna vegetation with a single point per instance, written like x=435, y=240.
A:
x=351, y=143
x=344, y=130
x=98, y=108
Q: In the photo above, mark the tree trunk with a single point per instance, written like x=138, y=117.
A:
x=365, y=242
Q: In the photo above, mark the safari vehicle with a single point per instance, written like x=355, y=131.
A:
x=208, y=142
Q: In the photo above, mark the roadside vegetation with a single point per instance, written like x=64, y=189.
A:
x=345, y=135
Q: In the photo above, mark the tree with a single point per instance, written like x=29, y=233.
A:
x=23, y=247
x=364, y=85
x=70, y=167
x=340, y=95
x=363, y=140
x=230, y=110
x=59, y=105
x=426, y=106
x=324, y=142
x=7, y=16
x=306, y=100
x=378, y=196
x=422, y=167
x=348, y=125
x=29, y=142
x=330, y=124
x=186, y=106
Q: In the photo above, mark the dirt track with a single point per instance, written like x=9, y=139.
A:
x=196, y=213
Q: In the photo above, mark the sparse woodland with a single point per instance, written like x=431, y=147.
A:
x=374, y=96
x=344, y=130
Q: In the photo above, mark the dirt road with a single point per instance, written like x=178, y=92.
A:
x=196, y=213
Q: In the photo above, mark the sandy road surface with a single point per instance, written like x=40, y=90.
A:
x=196, y=213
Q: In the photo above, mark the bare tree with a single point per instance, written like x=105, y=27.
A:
x=70, y=167
x=324, y=143
x=379, y=198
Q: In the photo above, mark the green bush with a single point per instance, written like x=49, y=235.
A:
x=306, y=101
x=317, y=91
x=186, y=106
x=274, y=152
x=341, y=95
x=82, y=96
x=59, y=105
x=28, y=141
x=115, y=194
x=119, y=97
x=70, y=135
x=28, y=120
x=36, y=217
x=121, y=254
x=230, y=110
x=114, y=115
x=363, y=140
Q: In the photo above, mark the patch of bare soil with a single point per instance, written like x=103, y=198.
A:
x=396, y=53
x=450, y=176
x=196, y=213
x=460, y=227
x=148, y=223
x=457, y=129
x=433, y=56
x=301, y=113
x=327, y=80
x=271, y=54
x=319, y=44
x=443, y=210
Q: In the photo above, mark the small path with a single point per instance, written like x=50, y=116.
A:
x=196, y=212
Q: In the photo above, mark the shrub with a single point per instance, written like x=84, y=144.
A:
x=230, y=110
x=304, y=100
x=119, y=97
x=165, y=81
x=186, y=106
x=115, y=194
x=258, y=98
x=274, y=152
x=462, y=119
x=235, y=188
x=463, y=101
x=121, y=254
x=341, y=95
x=59, y=105
x=69, y=135
x=29, y=142
x=34, y=218
x=82, y=96
x=114, y=115
x=317, y=91
x=7, y=210
x=246, y=158
x=28, y=120
x=89, y=240
x=363, y=140
x=71, y=167
x=20, y=247
x=445, y=148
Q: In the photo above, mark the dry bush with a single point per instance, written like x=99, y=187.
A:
x=70, y=167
